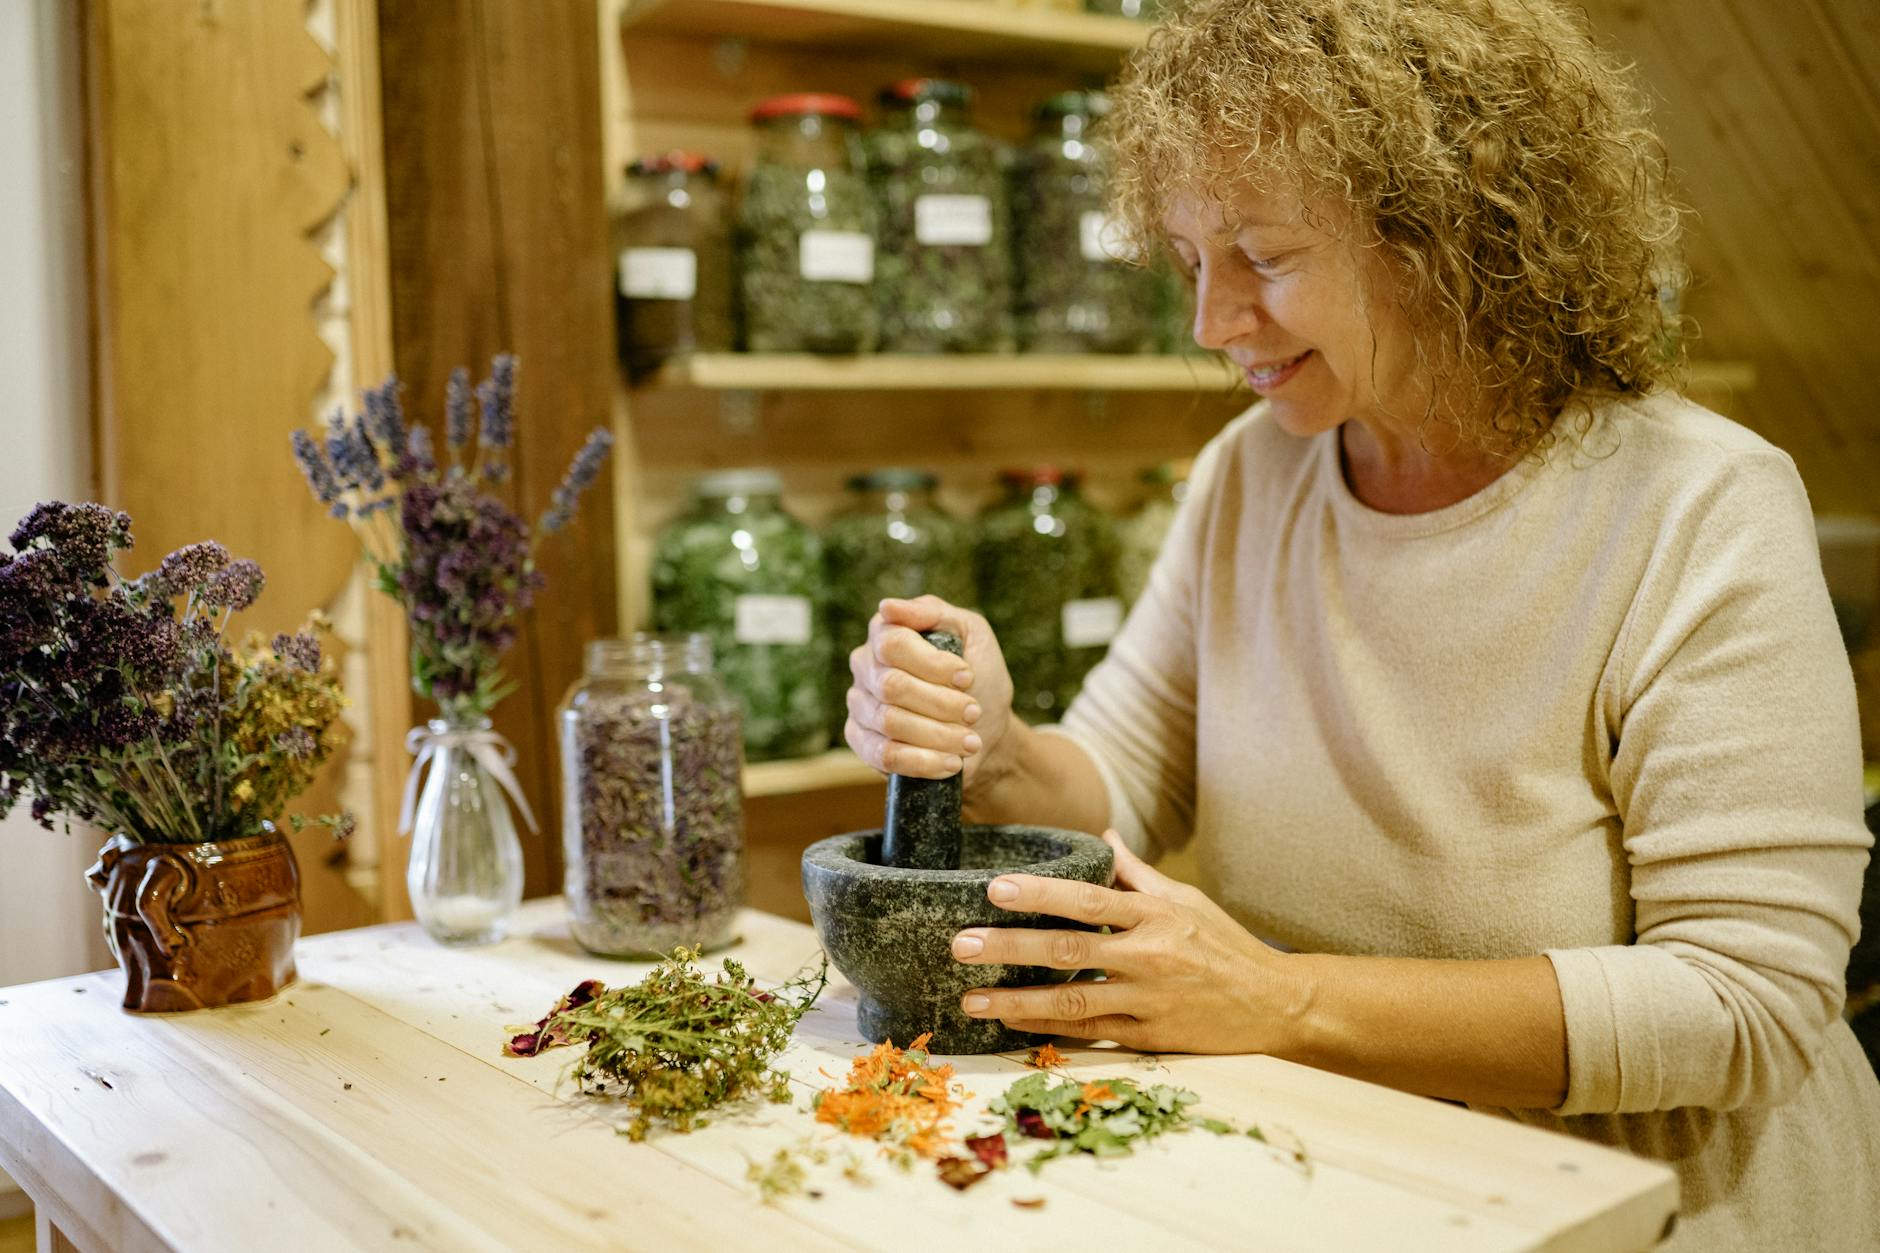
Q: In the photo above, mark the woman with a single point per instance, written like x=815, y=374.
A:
x=1491, y=680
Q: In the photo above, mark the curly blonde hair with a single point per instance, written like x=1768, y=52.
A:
x=1494, y=155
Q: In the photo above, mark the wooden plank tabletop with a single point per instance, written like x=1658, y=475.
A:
x=369, y=1107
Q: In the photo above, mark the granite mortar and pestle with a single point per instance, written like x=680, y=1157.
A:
x=888, y=903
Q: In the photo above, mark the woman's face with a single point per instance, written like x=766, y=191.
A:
x=1306, y=315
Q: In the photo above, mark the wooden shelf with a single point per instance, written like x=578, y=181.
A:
x=965, y=30
x=836, y=768
x=750, y=371
x=744, y=371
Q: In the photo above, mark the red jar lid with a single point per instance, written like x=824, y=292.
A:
x=676, y=160
x=807, y=102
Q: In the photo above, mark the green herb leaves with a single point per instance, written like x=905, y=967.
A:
x=678, y=1044
x=1105, y=1117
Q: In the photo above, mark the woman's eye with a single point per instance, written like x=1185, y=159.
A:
x=1263, y=264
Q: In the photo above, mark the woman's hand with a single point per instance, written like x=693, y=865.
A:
x=1182, y=975
x=915, y=710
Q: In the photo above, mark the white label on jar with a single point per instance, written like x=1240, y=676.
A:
x=772, y=620
x=1100, y=237
x=658, y=273
x=1089, y=623
x=953, y=220
x=836, y=257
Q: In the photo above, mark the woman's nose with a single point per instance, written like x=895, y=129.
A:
x=1225, y=308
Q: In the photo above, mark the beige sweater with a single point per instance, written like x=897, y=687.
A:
x=1600, y=711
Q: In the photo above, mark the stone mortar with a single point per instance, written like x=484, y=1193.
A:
x=890, y=929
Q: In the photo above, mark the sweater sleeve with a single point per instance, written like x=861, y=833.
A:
x=1736, y=774
x=1135, y=716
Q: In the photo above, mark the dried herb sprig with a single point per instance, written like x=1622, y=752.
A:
x=679, y=1043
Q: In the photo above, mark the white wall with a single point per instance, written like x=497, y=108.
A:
x=49, y=920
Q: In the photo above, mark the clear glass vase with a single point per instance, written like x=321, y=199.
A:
x=465, y=871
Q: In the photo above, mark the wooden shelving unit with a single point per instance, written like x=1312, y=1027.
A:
x=742, y=371
x=895, y=372
x=836, y=768
x=966, y=30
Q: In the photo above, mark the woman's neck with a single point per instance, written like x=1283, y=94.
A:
x=1393, y=471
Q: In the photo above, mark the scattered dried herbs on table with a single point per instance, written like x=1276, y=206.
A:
x=1104, y=1117
x=750, y=577
x=653, y=808
x=897, y=1098
x=679, y=1043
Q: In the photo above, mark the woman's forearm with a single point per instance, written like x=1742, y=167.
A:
x=1485, y=1032
x=1043, y=779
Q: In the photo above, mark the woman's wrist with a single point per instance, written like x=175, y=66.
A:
x=996, y=778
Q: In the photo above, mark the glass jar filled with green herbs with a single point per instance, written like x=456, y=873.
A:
x=807, y=230
x=944, y=270
x=671, y=236
x=893, y=539
x=652, y=798
x=1139, y=533
x=1045, y=564
x=1078, y=289
x=747, y=575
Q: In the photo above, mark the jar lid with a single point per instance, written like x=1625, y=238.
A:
x=807, y=102
x=894, y=479
x=1069, y=103
x=1039, y=476
x=749, y=481
x=677, y=161
x=940, y=90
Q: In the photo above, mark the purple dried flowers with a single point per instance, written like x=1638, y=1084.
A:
x=459, y=560
x=119, y=708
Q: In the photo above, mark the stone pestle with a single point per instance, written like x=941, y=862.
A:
x=922, y=827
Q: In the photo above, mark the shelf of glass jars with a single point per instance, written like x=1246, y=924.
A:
x=837, y=768
x=972, y=30
x=749, y=371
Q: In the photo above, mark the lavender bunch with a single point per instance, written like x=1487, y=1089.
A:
x=122, y=701
x=454, y=555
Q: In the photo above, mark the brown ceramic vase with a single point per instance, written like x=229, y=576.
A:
x=200, y=925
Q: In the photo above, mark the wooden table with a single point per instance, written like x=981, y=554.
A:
x=369, y=1107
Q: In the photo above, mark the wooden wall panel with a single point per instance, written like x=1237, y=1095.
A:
x=498, y=242
x=209, y=172
x=1772, y=117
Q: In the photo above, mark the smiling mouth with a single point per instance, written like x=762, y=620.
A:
x=1258, y=374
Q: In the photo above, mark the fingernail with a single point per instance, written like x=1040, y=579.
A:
x=954, y=764
x=962, y=679
x=972, y=713
x=976, y=1004
x=1002, y=890
x=968, y=946
x=972, y=742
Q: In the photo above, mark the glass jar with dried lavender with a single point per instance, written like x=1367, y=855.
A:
x=893, y=540
x=806, y=230
x=652, y=799
x=1078, y=289
x=739, y=569
x=944, y=270
x=1140, y=533
x=1045, y=563
x=671, y=238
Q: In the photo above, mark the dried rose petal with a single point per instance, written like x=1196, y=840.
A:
x=988, y=1149
x=961, y=1172
x=529, y=1043
x=1031, y=1122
